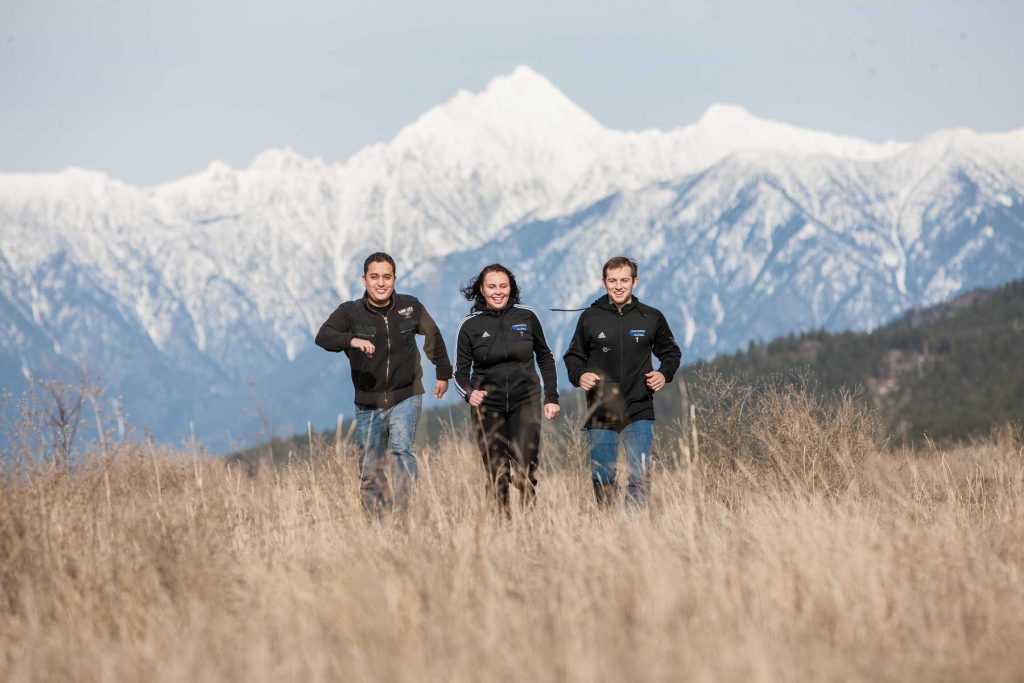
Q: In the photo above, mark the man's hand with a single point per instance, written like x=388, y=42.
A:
x=476, y=397
x=655, y=380
x=588, y=380
x=364, y=345
x=440, y=387
x=551, y=411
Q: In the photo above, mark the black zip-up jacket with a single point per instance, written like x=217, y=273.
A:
x=393, y=373
x=617, y=345
x=495, y=351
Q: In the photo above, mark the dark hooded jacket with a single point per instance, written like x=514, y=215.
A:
x=495, y=352
x=393, y=373
x=617, y=345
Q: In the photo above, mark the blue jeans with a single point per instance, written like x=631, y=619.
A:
x=637, y=438
x=373, y=428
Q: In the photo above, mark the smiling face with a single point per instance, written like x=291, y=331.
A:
x=496, y=290
x=379, y=282
x=619, y=283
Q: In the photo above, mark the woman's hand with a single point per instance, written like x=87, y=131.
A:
x=551, y=411
x=476, y=397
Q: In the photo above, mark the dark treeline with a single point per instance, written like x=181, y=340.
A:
x=950, y=372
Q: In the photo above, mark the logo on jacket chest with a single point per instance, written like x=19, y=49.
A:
x=406, y=312
x=521, y=328
x=637, y=334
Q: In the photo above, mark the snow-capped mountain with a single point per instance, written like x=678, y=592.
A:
x=198, y=299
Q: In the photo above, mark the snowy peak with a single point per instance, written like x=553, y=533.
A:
x=521, y=107
x=284, y=159
x=726, y=116
x=217, y=169
x=520, y=141
x=732, y=127
x=524, y=92
x=1001, y=154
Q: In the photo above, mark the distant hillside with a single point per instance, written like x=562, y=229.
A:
x=950, y=371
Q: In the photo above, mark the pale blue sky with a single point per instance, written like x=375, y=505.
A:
x=150, y=91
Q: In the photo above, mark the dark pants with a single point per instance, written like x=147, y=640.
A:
x=509, y=443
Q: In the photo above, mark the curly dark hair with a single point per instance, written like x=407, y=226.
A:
x=472, y=290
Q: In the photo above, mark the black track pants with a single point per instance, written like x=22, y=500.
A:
x=509, y=443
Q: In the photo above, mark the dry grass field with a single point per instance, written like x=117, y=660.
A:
x=797, y=548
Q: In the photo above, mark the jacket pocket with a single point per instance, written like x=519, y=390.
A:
x=368, y=332
x=407, y=336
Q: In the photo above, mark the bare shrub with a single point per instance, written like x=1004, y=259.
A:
x=782, y=425
x=63, y=400
x=44, y=422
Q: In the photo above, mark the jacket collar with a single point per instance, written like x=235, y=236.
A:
x=606, y=303
x=484, y=308
x=390, y=307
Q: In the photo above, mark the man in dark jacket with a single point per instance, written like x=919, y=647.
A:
x=610, y=357
x=378, y=334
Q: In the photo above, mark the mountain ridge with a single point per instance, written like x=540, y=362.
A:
x=222, y=278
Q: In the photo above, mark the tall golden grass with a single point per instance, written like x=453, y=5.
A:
x=796, y=548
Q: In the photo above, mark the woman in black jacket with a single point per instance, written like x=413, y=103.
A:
x=494, y=371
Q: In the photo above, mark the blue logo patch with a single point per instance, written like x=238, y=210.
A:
x=636, y=334
x=520, y=328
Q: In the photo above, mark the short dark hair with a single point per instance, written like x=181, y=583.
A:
x=472, y=290
x=619, y=262
x=379, y=257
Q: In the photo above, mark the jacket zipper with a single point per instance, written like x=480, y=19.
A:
x=504, y=347
x=387, y=361
x=622, y=343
